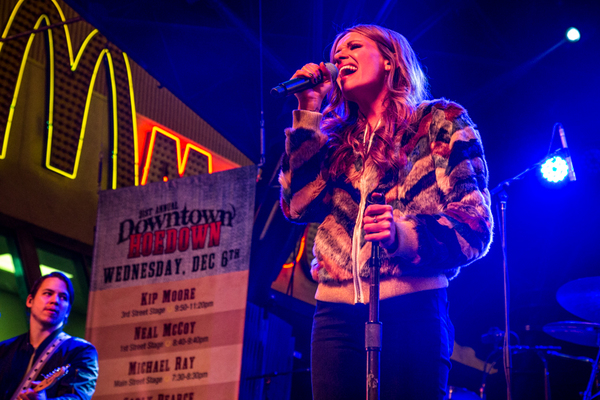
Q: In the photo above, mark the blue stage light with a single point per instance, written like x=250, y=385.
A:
x=555, y=169
x=573, y=34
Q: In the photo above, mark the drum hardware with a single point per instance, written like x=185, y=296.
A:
x=582, y=298
x=541, y=351
x=578, y=332
x=563, y=355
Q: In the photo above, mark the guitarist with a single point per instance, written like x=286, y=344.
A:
x=49, y=303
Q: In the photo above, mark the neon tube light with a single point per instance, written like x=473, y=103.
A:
x=136, y=151
x=13, y=103
x=73, y=62
x=300, y=251
x=181, y=160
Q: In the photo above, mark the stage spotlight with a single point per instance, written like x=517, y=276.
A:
x=555, y=169
x=573, y=34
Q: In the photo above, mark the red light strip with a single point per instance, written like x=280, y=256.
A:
x=300, y=251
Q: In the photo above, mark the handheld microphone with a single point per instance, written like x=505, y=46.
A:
x=563, y=140
x=300, y=84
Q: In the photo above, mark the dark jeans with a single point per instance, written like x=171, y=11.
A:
x=418, y=338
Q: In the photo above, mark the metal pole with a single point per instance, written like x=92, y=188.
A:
x=542, y=355
x=262, y=160
x=500, y=191
x=506, y=345
x=373, y=326
x=587, y=395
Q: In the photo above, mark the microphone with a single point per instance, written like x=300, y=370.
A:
x=563, y=140
x=301, y=84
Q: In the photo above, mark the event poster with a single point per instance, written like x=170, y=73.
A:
x=169, y=285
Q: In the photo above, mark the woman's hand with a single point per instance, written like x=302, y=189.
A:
x=379, y=226
x=311, y=99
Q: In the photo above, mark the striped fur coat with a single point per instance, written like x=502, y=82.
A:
x=440, y=198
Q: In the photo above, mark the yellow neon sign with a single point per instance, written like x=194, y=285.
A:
x=181, y=160
x=136, y=152
x=13, y=103
x=24, y=62
x=73, y=62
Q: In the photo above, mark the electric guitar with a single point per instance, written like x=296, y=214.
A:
x=52, y=378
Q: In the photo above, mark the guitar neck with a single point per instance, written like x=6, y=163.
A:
x=52, y=378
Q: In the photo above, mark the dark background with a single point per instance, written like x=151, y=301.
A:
x=505, y=61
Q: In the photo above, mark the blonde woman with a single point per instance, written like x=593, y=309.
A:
x=379, y=133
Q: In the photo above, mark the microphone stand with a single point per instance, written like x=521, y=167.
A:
x=373, y=326
x=500, y=192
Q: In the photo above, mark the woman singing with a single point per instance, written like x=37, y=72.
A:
x=378, y=133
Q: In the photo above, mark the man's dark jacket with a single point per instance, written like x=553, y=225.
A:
x=78, y=383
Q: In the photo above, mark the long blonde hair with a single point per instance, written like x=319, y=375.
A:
x=407, y=88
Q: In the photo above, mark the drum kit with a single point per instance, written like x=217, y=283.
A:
x=580, y=297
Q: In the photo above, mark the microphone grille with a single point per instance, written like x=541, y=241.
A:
x=332, y=70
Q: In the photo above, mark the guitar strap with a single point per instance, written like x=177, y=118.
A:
x=39, y=364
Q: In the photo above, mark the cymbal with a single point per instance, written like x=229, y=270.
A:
x=581, y=297
x=584, y=333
